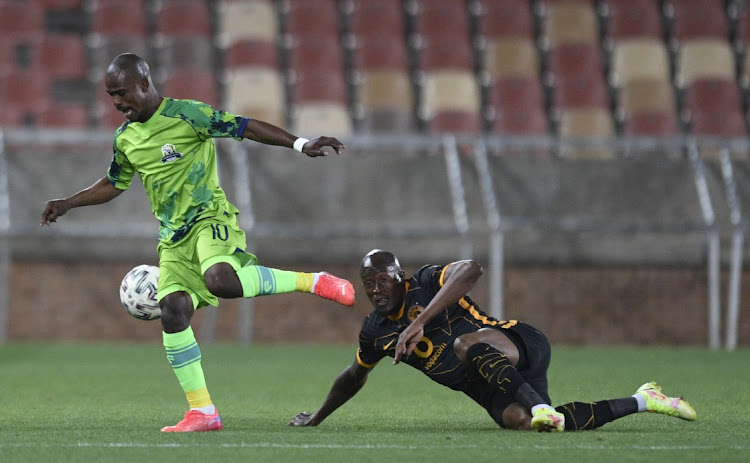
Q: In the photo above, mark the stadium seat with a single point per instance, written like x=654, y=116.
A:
x=645, y=96
x=514, y=91
x=711, y=94
x=565, y=22
x=316, y=53
x=9, y=55
x=256, y=92
x=722, y=123
x=21, y=19
x=174, y=53
x=459, y=122
x=319, y=86
x=314, y=119
x=377, y=53
x=384, y=18
x=702, y=59
x=25, y=89
x=449, y=91
x=447, y=18
x=697, y=19
x=580, y=91
x=112, y=18
x=742, y=38
x=384, y=89
x=385, y=120
x=630, y=19
x=63, y=116
x=194, y=85
x=574, y=59
x=636, y=59
x=60, y=57
x=254, y=20
x=511, y=57
x=520, y=120
x=61, y=4
x=312, y=18
x=505, y=18
x=446, y=52
x=651, y=124
x=583, y=124
x=183, y=18
x=251, y=53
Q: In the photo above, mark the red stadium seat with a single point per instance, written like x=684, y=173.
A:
x=119, y=18
x=61, y=4
x=320, y=86
x=506, y=18
x=742, y=40
x=64, y=116
x=21, y=19
x=193, y=85
x=252, y=53
x=316, y=53
x=724, y=123
x=184, y=18
x=446, y=52
x=627, y=19
x=25, y=89
x=582, y=91
x=521, y=121
x=517, y=91
x=456, y=122
x=383, y=18
x=443, y=18
x=387, y=52
x=697, y=19
x=312, y=18
x=651, y=124
x=710, y=94
x=571, y=59
x=61, y=56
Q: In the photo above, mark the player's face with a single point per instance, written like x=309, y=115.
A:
x=385, y=289
x=128, y=96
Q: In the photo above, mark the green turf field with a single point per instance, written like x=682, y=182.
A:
x=101, y=403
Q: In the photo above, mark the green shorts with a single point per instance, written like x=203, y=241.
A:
x=210, y=241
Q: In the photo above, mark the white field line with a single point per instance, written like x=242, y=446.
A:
x=374, y=446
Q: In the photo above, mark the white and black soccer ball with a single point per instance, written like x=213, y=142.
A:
x=138, y=292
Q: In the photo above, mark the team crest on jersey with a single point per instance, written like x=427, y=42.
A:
x=413, y=312
x=169, y=153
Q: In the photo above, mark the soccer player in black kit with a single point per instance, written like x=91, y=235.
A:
x=429, y=322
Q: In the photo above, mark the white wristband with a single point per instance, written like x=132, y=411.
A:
x=300, y=143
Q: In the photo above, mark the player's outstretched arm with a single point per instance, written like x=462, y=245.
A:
x=269, y=134
x=346, y=386
x=100, y=192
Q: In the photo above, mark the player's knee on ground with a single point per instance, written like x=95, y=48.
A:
x=222, y=281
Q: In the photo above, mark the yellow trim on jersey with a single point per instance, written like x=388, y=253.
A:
x=400, y=313
x=366, y=365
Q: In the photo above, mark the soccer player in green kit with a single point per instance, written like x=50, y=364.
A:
x=202, y=255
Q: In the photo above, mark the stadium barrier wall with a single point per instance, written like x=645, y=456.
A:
x=657, y=230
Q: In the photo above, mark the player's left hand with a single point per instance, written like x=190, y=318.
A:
x=314, y=148
x=302, y=419
x=408, y=340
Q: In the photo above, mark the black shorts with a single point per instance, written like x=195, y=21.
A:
x=533, y=362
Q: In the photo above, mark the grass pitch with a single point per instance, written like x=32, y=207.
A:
x=106, y=403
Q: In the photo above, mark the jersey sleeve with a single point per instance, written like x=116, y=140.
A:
x=367, y=354
x=207, y=121
x=430, y=277
x=121, y=171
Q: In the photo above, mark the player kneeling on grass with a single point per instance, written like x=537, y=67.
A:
x=429, y=322
x=202, y=256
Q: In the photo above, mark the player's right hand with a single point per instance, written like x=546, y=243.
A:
x=302, y=419
x=54, y=209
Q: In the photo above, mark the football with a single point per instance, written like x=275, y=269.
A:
x=138, y=292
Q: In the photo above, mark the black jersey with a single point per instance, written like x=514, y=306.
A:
x=434, y=354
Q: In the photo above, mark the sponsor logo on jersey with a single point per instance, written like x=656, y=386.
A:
x=169, y=153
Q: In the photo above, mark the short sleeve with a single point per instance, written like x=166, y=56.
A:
x=121, y=171
x=207, y=121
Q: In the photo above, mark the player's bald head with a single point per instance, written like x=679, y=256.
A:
x=379, y=260
x=129, y=65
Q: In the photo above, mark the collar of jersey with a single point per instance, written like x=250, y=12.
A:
x=156, y=113
x=400, y=313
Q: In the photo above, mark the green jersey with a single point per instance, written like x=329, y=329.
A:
x=175, y=157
